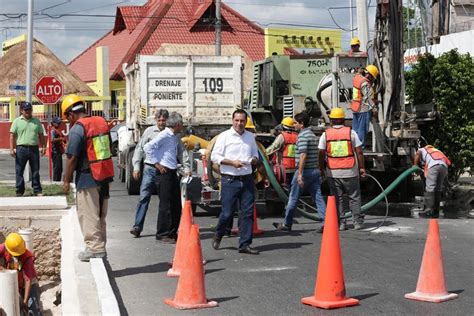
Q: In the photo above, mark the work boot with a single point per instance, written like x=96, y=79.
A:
x=135, y=231
x=437, y=204
x=429, y=201
x=86, y=255
x=216, y=242
x=359, y=226
x=342, y=226
x=282, y=227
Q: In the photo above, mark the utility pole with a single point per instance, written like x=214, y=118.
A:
x=362, y=23
x=351, y=18
x=218, y=27
x=29, y=53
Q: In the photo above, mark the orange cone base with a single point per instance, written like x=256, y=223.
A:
x=433, y=298
x=311, y=300
x=173, y=273
x=258, y=231
x=171, y=302
x=171, y=264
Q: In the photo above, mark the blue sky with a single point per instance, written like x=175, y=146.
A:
x=68, y=36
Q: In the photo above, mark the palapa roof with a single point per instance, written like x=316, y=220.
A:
x=45, y=63
x=144, y=29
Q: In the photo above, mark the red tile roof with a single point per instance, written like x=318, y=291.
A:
x=143, y=29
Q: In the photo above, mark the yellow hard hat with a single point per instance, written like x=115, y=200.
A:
x=15, y=244
x=372, y=70
x=288, y=122
x=68, y=102
x=337, y=113
x=249, y=123
x=355, y=41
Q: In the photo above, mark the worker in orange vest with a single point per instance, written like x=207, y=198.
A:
x=436, y=169
x=284, y=146
x=341, y=160
x=363, y=101
x=89, y=155
x=355, y=48
x=15, y=256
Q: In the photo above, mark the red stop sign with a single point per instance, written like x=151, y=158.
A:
x=49, y=90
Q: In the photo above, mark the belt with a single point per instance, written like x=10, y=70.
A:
x=152, y=165
x=240, y=178
x=28, y=146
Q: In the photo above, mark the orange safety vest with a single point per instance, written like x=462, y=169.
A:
x=10, y=264
x=289, y=149
x=97, y=135
x=357, y=92
x=340, y=154
x=435, y=154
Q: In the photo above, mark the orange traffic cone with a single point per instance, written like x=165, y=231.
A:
x=255, y=229
x=431, y=286
x=191, y=292
x=182, y=243
x=330, y=291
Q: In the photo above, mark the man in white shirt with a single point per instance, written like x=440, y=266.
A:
x=236, y=151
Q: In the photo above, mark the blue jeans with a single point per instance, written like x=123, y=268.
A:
x=27, y=154
x=360, y=124
x=33, y=301
x=146, y=188
x=233, y=191
x=312, y=183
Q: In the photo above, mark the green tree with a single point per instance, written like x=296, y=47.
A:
x=448, y=82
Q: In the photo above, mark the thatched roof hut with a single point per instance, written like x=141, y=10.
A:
x=45, y=63
x=209, y=50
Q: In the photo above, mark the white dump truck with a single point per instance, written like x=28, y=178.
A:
x=205, y=90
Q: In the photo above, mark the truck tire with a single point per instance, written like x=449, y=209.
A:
x=133, y=186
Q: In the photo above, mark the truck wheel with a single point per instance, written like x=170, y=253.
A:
x=133, y=186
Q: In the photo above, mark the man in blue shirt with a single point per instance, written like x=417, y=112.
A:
x=162, y=153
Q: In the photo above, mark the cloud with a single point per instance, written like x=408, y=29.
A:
x=69, y=36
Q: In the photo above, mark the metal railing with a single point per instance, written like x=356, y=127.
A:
x=10, y=108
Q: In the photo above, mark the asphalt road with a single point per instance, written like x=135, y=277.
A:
x=379, y=267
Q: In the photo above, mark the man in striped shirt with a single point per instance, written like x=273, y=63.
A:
x=307, y=177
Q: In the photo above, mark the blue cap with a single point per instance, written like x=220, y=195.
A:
x=26, y=106
x=56, y=120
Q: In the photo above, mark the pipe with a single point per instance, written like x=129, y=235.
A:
x=318, y=94
x=191, y=140
x=27, y=235
x=9, y=298
x=365, y=207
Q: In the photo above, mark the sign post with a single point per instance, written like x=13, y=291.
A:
x=49, y=90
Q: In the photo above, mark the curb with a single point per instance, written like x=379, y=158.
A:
x=86, y=288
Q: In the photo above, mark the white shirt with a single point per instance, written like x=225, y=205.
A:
x=233, y=146
x=427, y=160
x=163, y=149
